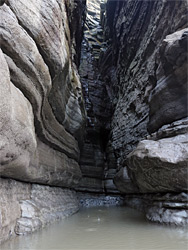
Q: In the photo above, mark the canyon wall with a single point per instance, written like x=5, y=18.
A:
x=145, y=66
x=42, y=113
x=92, y=101
x=96, y=161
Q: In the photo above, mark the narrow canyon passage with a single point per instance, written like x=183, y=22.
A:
x=93, y=124
x=103, y=228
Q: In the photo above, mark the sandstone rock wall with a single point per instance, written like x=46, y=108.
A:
x=41, y=93
x=42, y=113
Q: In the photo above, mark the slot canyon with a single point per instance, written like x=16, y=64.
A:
x=93, y=113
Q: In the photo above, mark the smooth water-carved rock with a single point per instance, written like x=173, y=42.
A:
x=31, y=75
x=50, y=167
x=48, y=25
x=37, y=48
x=17, y=132
x=160, y=166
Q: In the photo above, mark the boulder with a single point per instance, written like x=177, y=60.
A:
x=160, y=166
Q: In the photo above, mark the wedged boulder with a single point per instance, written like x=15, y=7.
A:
x=168, y=100
x=160, y=166
x=17, y=133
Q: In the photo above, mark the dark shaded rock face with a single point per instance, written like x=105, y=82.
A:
x=144, y=63
x=95, y=162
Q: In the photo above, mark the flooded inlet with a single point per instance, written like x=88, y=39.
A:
x=103, y=228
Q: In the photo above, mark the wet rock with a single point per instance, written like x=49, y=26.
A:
x=95, y=200
x=170, y=208
x=160, y=166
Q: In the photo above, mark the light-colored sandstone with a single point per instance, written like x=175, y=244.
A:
x=17, y=133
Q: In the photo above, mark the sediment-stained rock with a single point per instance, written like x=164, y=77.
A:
x=25, y=208
x=11, y=192
x=160, y=166
x=46, y=205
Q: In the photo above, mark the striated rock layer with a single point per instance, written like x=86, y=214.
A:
x=37, y=59
x=25, y=207
x=96, y=160
x=145, y=66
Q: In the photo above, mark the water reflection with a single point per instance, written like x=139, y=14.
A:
x=105, y=228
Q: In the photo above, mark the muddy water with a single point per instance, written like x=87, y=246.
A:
x=103, y=228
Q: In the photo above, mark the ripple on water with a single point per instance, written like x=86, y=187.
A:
x=119, y=228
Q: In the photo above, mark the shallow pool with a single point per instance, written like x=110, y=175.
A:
x=103, y=228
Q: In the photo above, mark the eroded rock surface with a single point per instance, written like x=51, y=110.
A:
x=42, y=114
x=168, y=100
x=160, y=166
x=17, y=132
x=144, y=65
x=97, y=160
x=25, y=208
x=169, y=208
x=37, y=47
x=46, y=205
